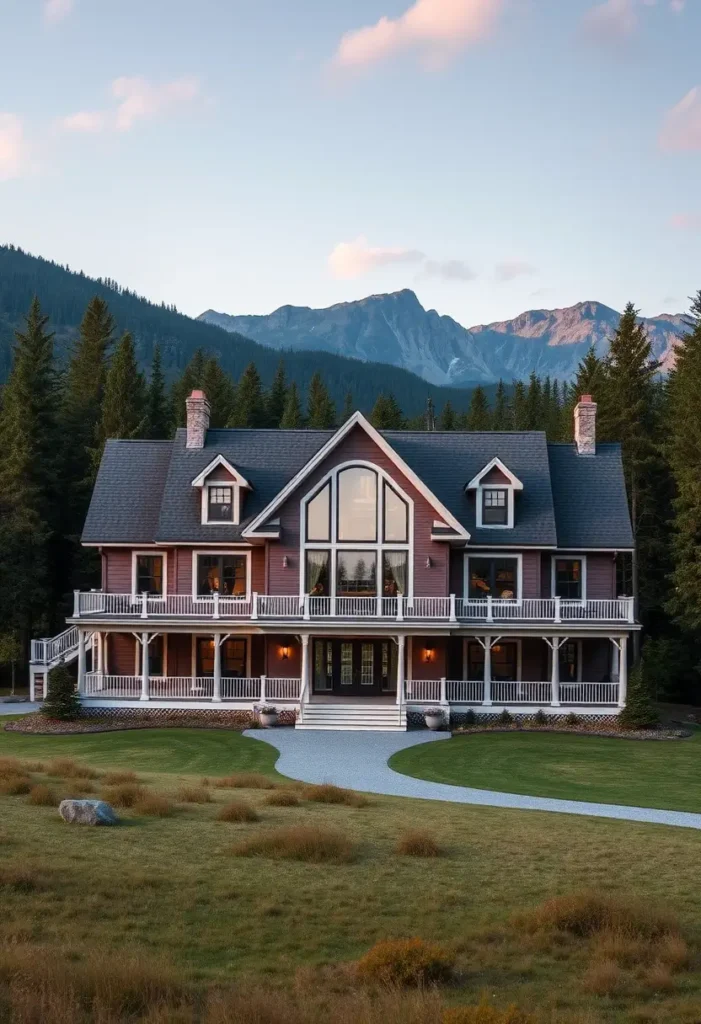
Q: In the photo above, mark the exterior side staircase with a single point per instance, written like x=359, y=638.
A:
x=47, y=654
x=367, y=717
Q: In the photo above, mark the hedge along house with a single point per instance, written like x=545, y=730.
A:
x=351, y=576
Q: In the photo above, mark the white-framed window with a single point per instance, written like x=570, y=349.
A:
x=495, y=487
x=356, y=535
x=569, y=577
x=227, y=573
x=221, y=498
x=149, y=573
x=495, y=574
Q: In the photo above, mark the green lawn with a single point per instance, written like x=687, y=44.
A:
x=169, y=889
x=655, y=773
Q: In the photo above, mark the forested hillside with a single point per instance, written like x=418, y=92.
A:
x=65, y=294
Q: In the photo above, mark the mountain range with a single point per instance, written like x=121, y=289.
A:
x=396, y=329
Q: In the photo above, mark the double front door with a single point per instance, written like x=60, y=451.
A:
x=355, y=667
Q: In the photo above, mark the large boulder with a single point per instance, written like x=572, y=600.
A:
x=87, y=812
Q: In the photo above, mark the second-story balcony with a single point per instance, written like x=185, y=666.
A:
x=261, y=608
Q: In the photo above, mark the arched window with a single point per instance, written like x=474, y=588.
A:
x=356, y=536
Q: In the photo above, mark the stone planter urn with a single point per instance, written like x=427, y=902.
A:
x=434, y=718
x=267, y=717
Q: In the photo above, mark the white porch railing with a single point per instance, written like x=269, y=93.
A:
x=49, y=651
x=464, y=691
x=94, y=604
x=99, y=685
x=181, y=687
x=589, y=693
x=425, y=691
x=521, y=693
x=282, y=689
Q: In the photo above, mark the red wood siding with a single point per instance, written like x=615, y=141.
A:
x=117, y=569
x=596, y=660
x=421, y=669
x=179, y=654
x=601, y=577
x=531, y=573
x=291, y=667
x=495, y=476
x=121, y=654
x=534, y=660
x=357, y=445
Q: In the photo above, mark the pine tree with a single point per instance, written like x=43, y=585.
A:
x=534, y=403
x=28, y=486
x=183, y=387
x=124, y=403
x=249, y=404
x=61, y=701
x=502, y=418
x=448, y=420
x=386, y=414
x=684, y=452
x=220, y=391
x=321, y=414
x=639, y=712
x=157, y=425
x=396, y=416
x=292, y=416
x=277, y=397
x=479, y=417
x=348, y=409
x=591, y=377
x=520, y=412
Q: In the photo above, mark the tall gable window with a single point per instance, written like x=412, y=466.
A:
x=495, y=487
x=148, y=573
x=356, y=536
x=222, y=490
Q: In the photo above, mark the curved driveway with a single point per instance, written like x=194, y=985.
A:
x=358, y=760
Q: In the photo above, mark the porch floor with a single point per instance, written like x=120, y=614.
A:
x=340, y=698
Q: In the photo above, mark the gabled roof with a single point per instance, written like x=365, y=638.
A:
x=126, y=499
x=220, y=460
x=358, y=420
x=591, y=508
x=495, y=463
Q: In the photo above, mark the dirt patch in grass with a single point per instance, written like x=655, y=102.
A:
x=417, y=843
x=328, y=794
x=300, y=842
x=245, y=780
x=237, y=810
x=282, y=798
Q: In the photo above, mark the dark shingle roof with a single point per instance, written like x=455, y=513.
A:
x=143, y=491
x=126, y=500
x=591, y=509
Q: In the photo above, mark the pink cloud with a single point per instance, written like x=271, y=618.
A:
x=57, y=10
x=681, y=128
x=13, y=147
x=139, y=99
x=441, y=28
x=88, y=121
x=686, y=221
x=355, y=259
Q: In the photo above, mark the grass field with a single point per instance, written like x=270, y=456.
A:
x=170, y=891
x=664, y=774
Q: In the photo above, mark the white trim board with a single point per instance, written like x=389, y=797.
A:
x=150, y=553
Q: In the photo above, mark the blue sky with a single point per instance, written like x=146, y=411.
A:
x=493, y=155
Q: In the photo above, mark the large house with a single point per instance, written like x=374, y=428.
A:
x=352, y=576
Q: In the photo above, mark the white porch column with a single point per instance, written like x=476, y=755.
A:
x=304, y=689
x=401, y=641
x=487, y=670
x=615, y=661
x=100, y=653
x=623, y=673
x=216, y=689
x=81, y=664
x=555, y=674
x=145, y=681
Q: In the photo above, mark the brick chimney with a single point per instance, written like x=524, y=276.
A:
x=197, y=419
x=585, y=425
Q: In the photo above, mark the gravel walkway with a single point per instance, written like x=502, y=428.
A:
x=358, y=760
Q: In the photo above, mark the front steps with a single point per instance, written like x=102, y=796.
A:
x=366, y=717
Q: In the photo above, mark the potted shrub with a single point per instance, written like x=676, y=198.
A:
x=267, y=715
x=434, y=718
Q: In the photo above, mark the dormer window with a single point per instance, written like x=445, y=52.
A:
x=220, y=507
x=495, y=487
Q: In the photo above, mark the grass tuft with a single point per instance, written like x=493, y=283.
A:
x=299, y=842
x=119, y=778
x=15, y=785
x=417, y=843
x=406, y=963
x=587, y=913
x=282, y=798
x=194, y=795
x=154, y=806
x=603, y=978
x=485, y=1014
x=42, y=796
x=237, y=810
x=328, y=794
x=67, y=768
x=20, y=878
x=11, y=766
x=126, y=795
x=245, y=780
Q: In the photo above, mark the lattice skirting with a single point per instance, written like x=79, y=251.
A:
x=415, y=719
x=183, y=717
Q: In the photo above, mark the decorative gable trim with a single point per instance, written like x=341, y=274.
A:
x=357, y=419
x=496, y=463
x=220, y=460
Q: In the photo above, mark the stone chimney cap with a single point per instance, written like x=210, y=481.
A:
x=586, y=398
x=198, y=394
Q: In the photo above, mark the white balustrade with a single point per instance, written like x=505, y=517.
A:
x=471, y=609
x=424, y=691
x=356, y=607
x=589, y=693
x=427, y=608
x=465, y=691
x=319, y=607
x=282, y=689
x=99, y=685
x=521, y=693
x=181, y=687
x=240, y=689
x=280, y=607
x=46, y=652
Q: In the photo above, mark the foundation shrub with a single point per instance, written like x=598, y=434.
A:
x=42, y=796
x=470, y=718
x=505, y=718
x=308, y=843
x=484, y=1013
x=245, y=780
x=328, y=794
x=406, y=963
x=153, y=805
x=540, y=718
x=282, y=798
x=126, y=795
x=588, y=913
x=572, y=719
x=194, y=795
x=417, y=843
x=237, y=810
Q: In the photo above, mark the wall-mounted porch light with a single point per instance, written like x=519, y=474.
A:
x=285, y=653
x=285, y=561
x=429, y=563
x=429, y=653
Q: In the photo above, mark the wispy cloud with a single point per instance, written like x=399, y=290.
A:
x=449, y=270
x=612, y=21
x=686, y=221
x=681, y=128
x=137, y=99
x=57, y=10
x=439, y=29
x=13, y=147
x=350, y=260
x=511, y=269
